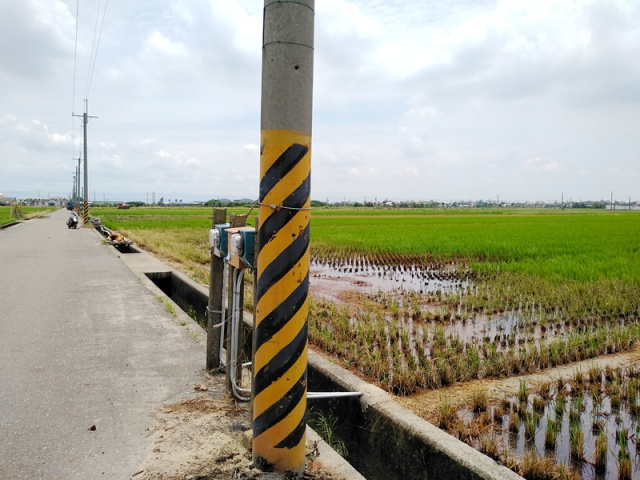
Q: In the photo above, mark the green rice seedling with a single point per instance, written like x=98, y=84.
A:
x=598, y=423
x=576, y=409
x=545, y=390
x=498, y=413
x=578, y=377
x=534, y=467
x=538, y=403
x=551, y=433
x=576, y=440
x=479, y=399
x=595, y=374
x=523, y=392
x=514, y=422
x=530, y=425
x=624, y=458
x=489, y=445
x=614, y=393
x=600, y=454
x=506, y=403
x=560, y=403
x=447, y=415
x=595, y=393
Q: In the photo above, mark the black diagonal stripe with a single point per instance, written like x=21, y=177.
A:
x=278, y=219
x=283, y=165
x=273, y=321
x=293, y=439
x=280, y=409
x=283, y=263
x=281, y=362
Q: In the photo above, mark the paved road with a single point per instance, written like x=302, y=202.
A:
x=82, y=343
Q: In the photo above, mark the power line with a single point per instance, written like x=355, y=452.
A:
x=73, y=92
x=75, y=60
x=95, y=46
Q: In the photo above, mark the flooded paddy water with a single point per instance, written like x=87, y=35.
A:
x=587, y=426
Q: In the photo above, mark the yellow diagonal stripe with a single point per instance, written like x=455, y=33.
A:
x=280, y=387
x=282, y=289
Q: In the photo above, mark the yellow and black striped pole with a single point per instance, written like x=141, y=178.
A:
x=280, y=335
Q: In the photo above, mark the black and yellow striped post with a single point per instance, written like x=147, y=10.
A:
x=280, y=335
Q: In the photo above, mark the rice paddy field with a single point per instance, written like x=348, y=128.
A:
x=444, y=299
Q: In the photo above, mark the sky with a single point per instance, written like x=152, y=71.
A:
x=413, y=100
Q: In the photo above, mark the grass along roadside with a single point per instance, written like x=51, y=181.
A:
x=29, y=212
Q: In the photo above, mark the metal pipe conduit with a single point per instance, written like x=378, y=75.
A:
x=237, y=284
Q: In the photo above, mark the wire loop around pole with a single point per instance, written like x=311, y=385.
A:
x=273, y=206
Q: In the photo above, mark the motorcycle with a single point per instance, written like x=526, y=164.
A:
x=72, y=222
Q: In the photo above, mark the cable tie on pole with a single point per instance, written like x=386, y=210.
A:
x=274, y=206
x=282, y=42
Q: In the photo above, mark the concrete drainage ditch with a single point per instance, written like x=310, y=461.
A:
x=383, y=439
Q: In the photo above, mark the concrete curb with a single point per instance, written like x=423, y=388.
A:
x=11, y=224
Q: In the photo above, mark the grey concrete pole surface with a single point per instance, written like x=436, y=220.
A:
x=77, y=202
x=282, y=287
x=287, y=65
x=216, y=295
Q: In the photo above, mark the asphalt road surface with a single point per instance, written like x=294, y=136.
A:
x=87, y=354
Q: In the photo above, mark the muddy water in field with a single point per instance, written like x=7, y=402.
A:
x=329, y=280
x=508, y=329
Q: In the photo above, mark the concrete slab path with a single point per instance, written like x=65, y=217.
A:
x=83, y=344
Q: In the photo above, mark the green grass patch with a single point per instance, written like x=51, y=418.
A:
x=29, y=212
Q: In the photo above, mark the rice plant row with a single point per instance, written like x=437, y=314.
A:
x=582, y=427
x=406, y=354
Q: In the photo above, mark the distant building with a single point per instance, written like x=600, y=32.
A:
x=4, y=200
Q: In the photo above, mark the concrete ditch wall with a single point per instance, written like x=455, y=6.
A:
x=385, y=441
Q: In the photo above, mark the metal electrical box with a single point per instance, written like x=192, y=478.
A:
x=218, y=239
x=242, y=247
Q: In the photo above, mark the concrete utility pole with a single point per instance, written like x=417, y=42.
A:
x=85, y=121
x=76, y=200
x=280, y=334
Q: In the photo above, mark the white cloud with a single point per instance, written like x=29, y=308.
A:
x=158, y=42
x=538, y=165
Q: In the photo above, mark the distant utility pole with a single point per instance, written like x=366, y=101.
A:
x=85, y=120
x=76, y=201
